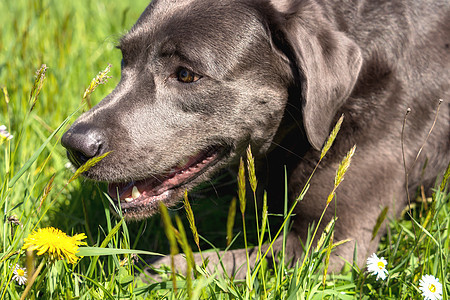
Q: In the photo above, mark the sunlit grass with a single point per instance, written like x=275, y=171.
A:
x=50, y=51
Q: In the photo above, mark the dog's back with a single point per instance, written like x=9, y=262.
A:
x=404, y=78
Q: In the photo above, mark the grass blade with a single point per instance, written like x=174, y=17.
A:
x=36, y=154
x=101, y=251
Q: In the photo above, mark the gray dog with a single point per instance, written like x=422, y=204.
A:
x=203, y=79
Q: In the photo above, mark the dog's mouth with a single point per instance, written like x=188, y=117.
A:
x=140, y=198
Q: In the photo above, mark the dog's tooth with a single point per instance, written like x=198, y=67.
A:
x=135, y=192
x=128, y=199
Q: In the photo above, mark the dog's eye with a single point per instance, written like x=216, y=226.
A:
x=186, y=76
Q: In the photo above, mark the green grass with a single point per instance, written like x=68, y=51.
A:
x=76, y=39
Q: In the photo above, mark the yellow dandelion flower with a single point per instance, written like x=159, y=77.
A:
x=56, y=243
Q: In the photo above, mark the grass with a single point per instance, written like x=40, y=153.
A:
x=75, y=40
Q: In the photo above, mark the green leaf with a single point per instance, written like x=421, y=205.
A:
x=124, y=278
x=380, y=221
x=98, y=251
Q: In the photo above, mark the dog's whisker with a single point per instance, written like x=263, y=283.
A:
x=295, y=119
x=214, y=188
x=156, y=178
x=288, y=150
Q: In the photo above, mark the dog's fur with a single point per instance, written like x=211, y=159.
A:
x=277, y=75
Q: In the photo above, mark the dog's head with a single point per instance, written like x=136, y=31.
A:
x=201, y=80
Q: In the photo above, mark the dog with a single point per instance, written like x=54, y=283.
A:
x=204, y=79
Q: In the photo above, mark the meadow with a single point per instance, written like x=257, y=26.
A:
x=50, y=51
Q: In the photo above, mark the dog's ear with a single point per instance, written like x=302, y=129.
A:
x=327, y=62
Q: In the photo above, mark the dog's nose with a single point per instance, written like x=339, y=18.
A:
x=83, y=143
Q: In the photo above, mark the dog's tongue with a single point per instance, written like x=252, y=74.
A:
x=158, y=184
x=132, y=190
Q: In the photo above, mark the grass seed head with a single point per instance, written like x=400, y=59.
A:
x=343, y=167
x=171, y=236
x=190, y=217
x=182, y=240
x=47, y=190
x=241, y=186
x=332, y=137
x=325, y=233
x=101, y=78
x=37, y=86
x=5, y=93
x=87, y=165
x=251, y=169
x=168, y=228
x=230, y=220
x=264, y=215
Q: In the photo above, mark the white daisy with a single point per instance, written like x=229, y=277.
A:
x=69, y=166
x=4, y=134
x=377, y=266
x=431, y=288
x=20, y=275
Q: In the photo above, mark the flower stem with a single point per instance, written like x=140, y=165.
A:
x=32, y=279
